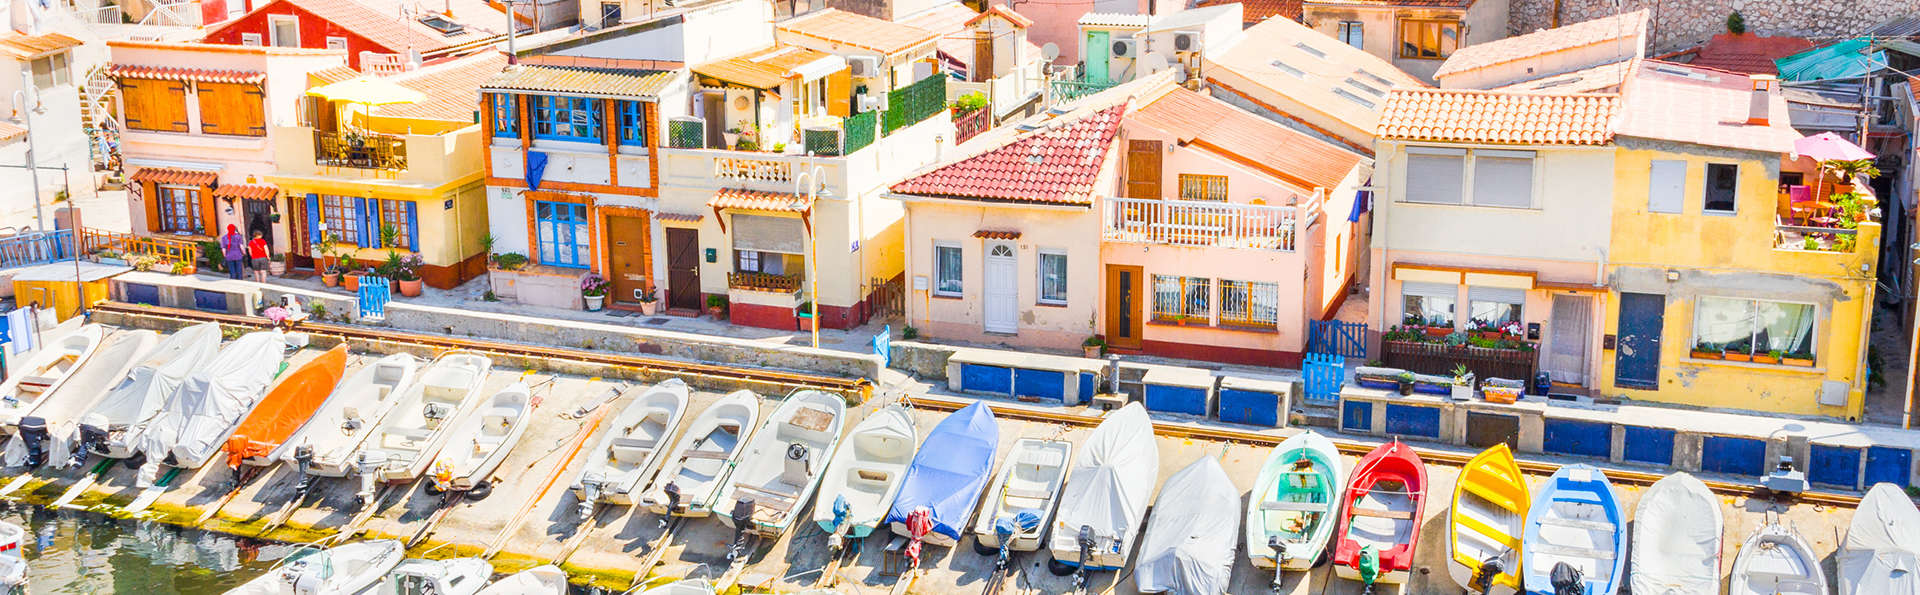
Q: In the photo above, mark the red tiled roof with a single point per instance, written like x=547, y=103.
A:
x=994, y=234
x=246, y=191
x=167, y=73
x=452, y=88
x=1406, y=3
x=755, y=200
x=1255, y=11
x=1538, y=43
x=379, y=22
x=1458, y=115
x=10, y=131
x=1017, y=19
x=1259, y=143
x=27, y=46
x=1747, y=53
x=1055, y=165
x=173, y=175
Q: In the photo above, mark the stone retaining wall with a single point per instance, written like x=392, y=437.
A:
x=1679, y=24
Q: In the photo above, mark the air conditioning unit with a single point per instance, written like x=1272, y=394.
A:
x=1126, y=48
x=864, y=66
x=1186, y=42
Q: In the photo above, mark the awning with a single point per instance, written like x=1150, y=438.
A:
x=755, y=200
x=990, y=234
x=204, y=75
x=246, y=191
x=172, y=175
x=369, y=91
x=678, y=217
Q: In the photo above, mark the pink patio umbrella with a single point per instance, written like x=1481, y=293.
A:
x=1828, y=146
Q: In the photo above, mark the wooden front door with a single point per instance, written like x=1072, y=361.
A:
x=1636, y=354
x=1143, y=169
x=629, y=257
x=1124, y=295
x=683, y=268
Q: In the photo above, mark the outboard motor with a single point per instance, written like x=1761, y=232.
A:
x=93, y=435
x=33, y=431
x=1279, y=548
x=1566, y=580
x=1483, y=576
x=841, y=510
x=590, y=493
x=303, y=458
x=369, y=469
x=1085, y=542
x=1004, y=528
x=673, y=501
x=742, y=528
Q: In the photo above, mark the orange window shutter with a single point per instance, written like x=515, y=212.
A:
x=839, y=93
x=253, y=116
x=151, y=194
x=214, y=114
x=170, y=101
x=208, y=211
x=133, y=98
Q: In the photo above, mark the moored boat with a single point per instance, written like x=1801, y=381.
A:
x=690, y=478
x=108, y=426
x=1775, y=560
x=1189, y=542
x=110, y=364
x=405, y=442
x=1107, y=494
x=1575, y=535
x=1486, y=523
x=331, y=436
x=452, y=576
x=1295, y=503
x=1022, y=498
x=1379, y=529
x=945, y=479
x=781, y=465
x=346, y=569
x=480, y=440
x=45, y=371
x=1676, y=539
x=631, y=447
x=1882, y=551
x=285, y=408
x=539, y=580
x=13, y=561
x=190, y=428
x=866, y=473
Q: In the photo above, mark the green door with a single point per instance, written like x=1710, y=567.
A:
x=1096, y=58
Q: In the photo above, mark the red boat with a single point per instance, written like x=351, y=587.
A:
x=1385, y=500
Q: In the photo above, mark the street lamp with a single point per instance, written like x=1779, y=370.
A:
x=809, y=178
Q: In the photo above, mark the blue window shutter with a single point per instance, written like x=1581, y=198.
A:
x=413, y=226
x=369, y=237
x=313, y=217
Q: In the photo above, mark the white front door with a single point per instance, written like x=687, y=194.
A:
x=1002, y=288
x=1568, y=333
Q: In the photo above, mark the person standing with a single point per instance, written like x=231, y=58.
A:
x=257, y=256
x=233, y=248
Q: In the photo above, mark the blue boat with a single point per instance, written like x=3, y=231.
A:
x=946, y=476
x=1575, y=524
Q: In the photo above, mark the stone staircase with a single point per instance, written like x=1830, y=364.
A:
x=97, y=98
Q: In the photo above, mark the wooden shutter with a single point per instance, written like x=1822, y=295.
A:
x=152, y=196
x=840, y=93
x=232, y=109
x=413, y=226
x=982, y=68
x=253, y=116
x=215, y=108
x=209, y=225
x=170, y=105
x=138, y=106
x=1143, y=169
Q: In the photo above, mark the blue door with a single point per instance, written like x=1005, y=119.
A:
x=1636, y=361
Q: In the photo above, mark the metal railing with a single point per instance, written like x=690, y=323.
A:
x=1190, y=223
x=36, y=247
x=971, y=124
x=95, y=240
x=1071, y=89
x=365, y=150
x=767, y=282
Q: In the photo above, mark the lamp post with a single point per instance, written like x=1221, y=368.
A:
x=809, y=178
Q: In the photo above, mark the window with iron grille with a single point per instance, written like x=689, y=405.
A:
x=1177, y=298
x=633, y=122
x=1203, y=187
x=342, y=216
x=566, y=118
x=563, y=233
x=1250, y=303
x=394, y=213
x=506, y=115
x=180, y=209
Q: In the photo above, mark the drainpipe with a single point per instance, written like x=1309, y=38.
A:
x=1600, y=267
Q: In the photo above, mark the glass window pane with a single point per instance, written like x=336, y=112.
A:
x=947, y=270
x=1053, y=277
x=1724, y=323
x=1427, y=310
x=1784, y=327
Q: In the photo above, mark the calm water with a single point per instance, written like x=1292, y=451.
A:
x=79, y=552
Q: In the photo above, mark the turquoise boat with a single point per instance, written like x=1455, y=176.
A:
x=1292, y=512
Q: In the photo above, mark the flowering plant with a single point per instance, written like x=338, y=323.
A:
x=593, y=285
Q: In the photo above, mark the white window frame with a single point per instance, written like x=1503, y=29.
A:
x=273, y=29
x=1706, y=186
x=1352, y=33
x=252, y=39
x=938, y=274
x=57, y=74
x=1468, y=184
x=1040, y=276
x=1813, y=344
x=335, y=42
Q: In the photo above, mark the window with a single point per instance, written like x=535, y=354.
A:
x=946, y=270
x=1753, y=327
x=1203, y=187
x=1721, y=180
x=1495, y=308
x=1666, y=185
x=1249, y=303
x=1428, y=39
x=398, y=214
x=566, y=118
x=609, y=14
x=284, y=30
x=563, y=236
x=1177, y=298
x=1053, y=277
x=1503, y=178
x=341, y=215
x=234, y=109
x=771, y=263
x=1435, y=175
x=1428, y=304
x=336, y=43
x=506, y=115
x=180, y=210
x=51, y=71
x=633, y=123
x=249, y=39
x=1350, y=33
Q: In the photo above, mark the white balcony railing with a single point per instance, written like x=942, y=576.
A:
x=1195, y=223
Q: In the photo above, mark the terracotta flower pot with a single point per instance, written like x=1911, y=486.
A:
x=650, y=308
x=277, y=267
x=717, y=312
x=1738, y=357
x=1092, y=351
x=329, y=279
x=352, y=282
x=1794, y=361
x=410, y=288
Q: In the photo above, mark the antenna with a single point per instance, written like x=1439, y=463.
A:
x=1050, y=52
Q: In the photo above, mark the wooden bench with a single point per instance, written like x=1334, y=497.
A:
x=1398, y=515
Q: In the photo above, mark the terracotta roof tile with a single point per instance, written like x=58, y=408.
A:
x=1747, y=53
x=666, y=216
x=995, y=234
x=1690, y=104
x=27, y=46
x=856, y=30
x=379, y=22
x=1456, y=115
x=762, y=69
x=246, y=191
x=10, y=131
x=166, y=73
x=1253, y=12
x=452, y=88
x=755, y=200
x=1263, y=144
x=174, y=175
x=590, y=81
x=1055, y=165
x=1584, y=33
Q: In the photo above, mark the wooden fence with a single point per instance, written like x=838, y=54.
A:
x=1439, y=359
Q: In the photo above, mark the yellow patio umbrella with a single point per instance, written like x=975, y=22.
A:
x=368, y=91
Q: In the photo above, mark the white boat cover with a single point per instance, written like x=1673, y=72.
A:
x=1189, y=544
x=1676, y=539
x=1111, y=482
x=212, y=400
x=1881, y=555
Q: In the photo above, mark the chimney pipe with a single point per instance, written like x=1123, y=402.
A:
x=1761, y=105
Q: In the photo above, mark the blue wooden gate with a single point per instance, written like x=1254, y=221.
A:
x=1637, y=356
x=1888, y=465
x=1333, y=337
x=883, y=345
x=1325, y=374
x=374, y=294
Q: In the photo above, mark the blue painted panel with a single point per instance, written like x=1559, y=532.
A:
x=1413, y=420
x=1648, y=445
x=1046, y=384
x=986, y=379
x=1574, y=437
x=1356, y=416
x=1888, y=465
x=1637, y=358
x=1834, y=466
x=1086, y=387
x=1739, y=456
x=140, y=293
x=1176, y=399
x=1249, y=407
x=211, y=301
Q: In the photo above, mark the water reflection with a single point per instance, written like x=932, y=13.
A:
x=83, y=552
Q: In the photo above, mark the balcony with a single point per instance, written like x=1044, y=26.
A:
x=1202, y=224
x=362, y=150
x=765, y=282
x=1832, y=224
x=1064, y=90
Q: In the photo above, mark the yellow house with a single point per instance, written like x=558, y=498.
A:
x=1738, y=280
x=352, y=171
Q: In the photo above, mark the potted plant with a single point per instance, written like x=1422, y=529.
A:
x=1770, y=357
x=1846, y=171
x=1802, y=358
x=1406, y=383
x=1377, y=377
x=649, y=303
x=732, y=135
x=1092, y=345
x=406, y=274
x=182, y=267
x=1737, y=351
x=110, y=257
x=1462, y=383
x=1705, y=350
x=717, y=306
x=1501, y=390
x=277, y=265
x=593, y=287
x=351, y=280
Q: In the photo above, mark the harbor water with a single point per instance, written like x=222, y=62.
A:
x=84, y=552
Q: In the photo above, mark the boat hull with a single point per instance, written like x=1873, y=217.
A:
x=1041, y=461
x=1321, y=475
x=1385, y=504
x=875, y=454
x=1487, y=521
x=703, y=457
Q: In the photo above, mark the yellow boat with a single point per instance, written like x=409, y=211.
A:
x=1485, y=523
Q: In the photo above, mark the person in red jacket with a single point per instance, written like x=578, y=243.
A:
x=258, y=256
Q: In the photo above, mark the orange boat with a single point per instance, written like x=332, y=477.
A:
x=286, y=407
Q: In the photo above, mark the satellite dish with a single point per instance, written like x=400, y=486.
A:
x=1050, y=51
x=1152, y=63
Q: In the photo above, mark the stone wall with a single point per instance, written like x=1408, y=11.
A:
x=1679, y=24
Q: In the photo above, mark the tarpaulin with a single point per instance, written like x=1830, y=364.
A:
x=951, y=468
x=536, y=167
x=1676, y=541
x=1882, y=552
x=1109, y=486
x=193, y=424
x=289, y=405
x=1189, y=543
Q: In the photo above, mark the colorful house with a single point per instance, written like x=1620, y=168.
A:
x=378, y=35
x=40, y=66
x=986, y=53
x=1415, y=35
x=1306, y=81
x=1495, y=62
x=198, y=142
x=353, y=173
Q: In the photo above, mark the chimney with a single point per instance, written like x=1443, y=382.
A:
x=1762, y=103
